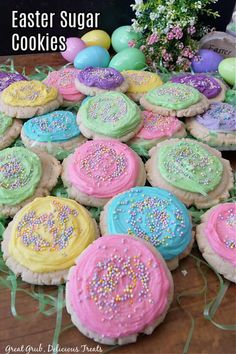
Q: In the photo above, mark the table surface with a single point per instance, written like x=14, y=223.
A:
x=169, y=338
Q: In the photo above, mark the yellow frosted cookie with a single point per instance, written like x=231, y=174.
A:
x=45, y=237
x=25, y=99
x=140, y=82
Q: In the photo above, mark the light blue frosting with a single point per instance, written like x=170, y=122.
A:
x=152, y=214
x=52, y=127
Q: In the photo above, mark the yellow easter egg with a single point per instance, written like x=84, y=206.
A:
x=97, y=37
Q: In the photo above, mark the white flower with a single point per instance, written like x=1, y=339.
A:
x=139, y=2
x=153, y=16
x=136, y=26
x=160, y=8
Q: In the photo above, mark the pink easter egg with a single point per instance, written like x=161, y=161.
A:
x=74, y=46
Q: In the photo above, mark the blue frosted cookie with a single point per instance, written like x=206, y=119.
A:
x=154, y=215
x=56, y=133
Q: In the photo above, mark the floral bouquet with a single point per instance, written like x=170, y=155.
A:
x=170, y=31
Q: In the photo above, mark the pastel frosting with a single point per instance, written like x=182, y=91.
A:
x=103, y=78
x=7, y=79
x=5, y=123
x=118, y=287
x=220, y=117
x=156, y=126
x=57, y=126
x=220, y=230
x=28, y=94
x=110, y=114
x=207, y=85
x=103, y=168
x=154, y=215
x=20, y=173
x=189, y=166
x=173, y=96
x=64, y=81
x=141, y=81
x=49, y=233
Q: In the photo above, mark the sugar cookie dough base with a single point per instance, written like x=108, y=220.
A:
x=219, y=140
x=136, y=97
x=172, y=264
x=131, y=338
x=148, y=144
x=29, y=112
x=220, y=193
x=93, y=135
x=53, y=148
x=93, y=91
x=50, y=278
x=222, y=266
x=51, y=170
x=10, y=134
x=197, y=108
x=89, y=200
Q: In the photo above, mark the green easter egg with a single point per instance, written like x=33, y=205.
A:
x=122, y=36
x=128, y=59
x=227, y=69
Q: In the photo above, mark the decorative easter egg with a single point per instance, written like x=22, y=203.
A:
x=122, y=36
x=94, y=56
x=73, y=46
x=128, y=59
x=227, y=70
x=207, y=60
x=97, y=37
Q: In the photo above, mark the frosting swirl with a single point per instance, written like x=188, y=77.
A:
x=7, y=79
x=207, y=85
x=56, y=126
x=104, y=78
x=20, y=173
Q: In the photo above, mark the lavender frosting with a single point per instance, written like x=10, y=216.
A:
x=7, y=79
x=220, y=117
x=208, y=86
x=104, y=78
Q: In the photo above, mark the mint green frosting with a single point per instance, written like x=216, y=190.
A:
x=173, y=96
x=188, y=166
x=110, y=114
x=20, y=173
x=5, y=123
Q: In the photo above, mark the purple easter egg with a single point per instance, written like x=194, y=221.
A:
x=206, y=60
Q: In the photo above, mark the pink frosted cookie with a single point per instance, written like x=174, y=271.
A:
x=64, y=81
x=216, y=238
x=119, y=287
x=100, y=169
x=155, y=129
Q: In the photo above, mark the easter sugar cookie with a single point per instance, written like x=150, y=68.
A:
x=45, y=237
x=64, y=81
x=9, y=130
x=213, y=89
x=109, y=115
x=100, y=169
x=26, y=99
x=216, y=238
x=173, y=99
x=56, y=133
x=140, y=82
x=92, y=81
x=152, y=214
x=194, y=172
x=216, y=127
x=119, y=287
x=155, y=129
x=7, y=79
x=24, y=176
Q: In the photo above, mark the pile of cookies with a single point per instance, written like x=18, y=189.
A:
x=127, y=150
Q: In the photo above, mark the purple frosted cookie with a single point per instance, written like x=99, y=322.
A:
x=216, y=127
x=7, y=79
x=92, y=81
x=210, y=87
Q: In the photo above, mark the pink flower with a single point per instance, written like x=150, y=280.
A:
x=191, y=29
x=132, y=44
x=167, y=57
x=153, y=38
x=142, y=48
x=170, y=36
x=177, y=31
x=187, y=52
